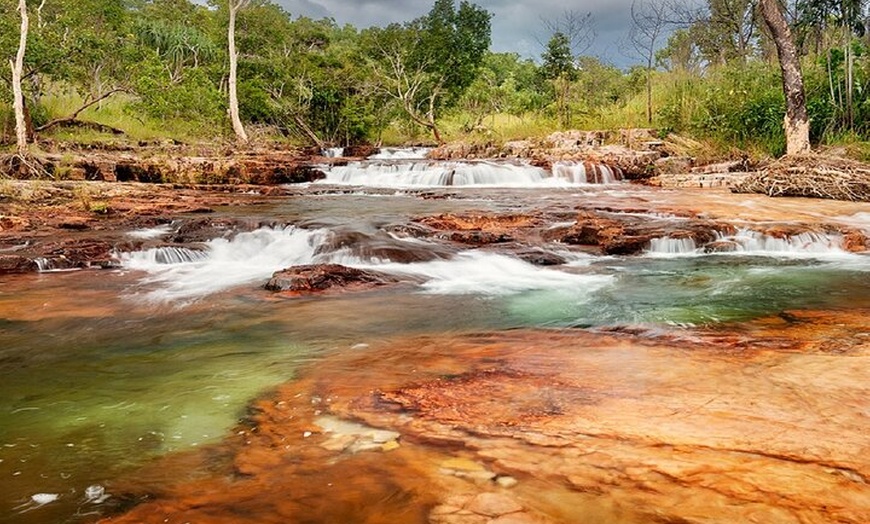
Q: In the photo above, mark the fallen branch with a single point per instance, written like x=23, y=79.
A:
x=73, y=119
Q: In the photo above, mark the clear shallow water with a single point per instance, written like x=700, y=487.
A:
x=102, y=371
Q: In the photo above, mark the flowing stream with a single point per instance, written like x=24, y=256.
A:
x=104, y=371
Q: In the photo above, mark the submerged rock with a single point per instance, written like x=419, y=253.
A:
x=321, y=277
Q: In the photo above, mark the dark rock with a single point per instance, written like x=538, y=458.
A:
x=721, y=246
x=137, y=172
x=321, y=277
x=268, y=173
x=360, y=150
x=477, y=238
x=16, y=264
x=203, y=229
x=74, y=225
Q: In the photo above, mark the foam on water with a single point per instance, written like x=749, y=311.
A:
x=225, y=263
x=748, y=242
x=401, y=153
x=811, y=244
x=151, y=232
x=490, y=274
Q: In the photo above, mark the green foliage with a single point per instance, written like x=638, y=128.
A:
x=740, y=104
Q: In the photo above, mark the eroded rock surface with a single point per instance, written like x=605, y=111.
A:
x=762, y=423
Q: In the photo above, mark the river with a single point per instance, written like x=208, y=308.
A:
x=106, y=372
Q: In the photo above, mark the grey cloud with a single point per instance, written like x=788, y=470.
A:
x=516, y=25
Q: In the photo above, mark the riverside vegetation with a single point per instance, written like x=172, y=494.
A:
x=144, y=70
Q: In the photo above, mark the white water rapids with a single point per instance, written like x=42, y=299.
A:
x=400, y=171
x=250, y=258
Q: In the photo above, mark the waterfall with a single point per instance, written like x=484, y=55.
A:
x=183, y=274
x=749, y=241
x=667, y=247
x=332, y=152
x=586, y=172
x=400, y=153
x=165, y=255
x=425, y=173
x=43, y=264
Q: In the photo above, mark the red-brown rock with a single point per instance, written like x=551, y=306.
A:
x=321, y=277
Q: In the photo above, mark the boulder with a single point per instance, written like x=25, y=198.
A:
x=322, y=277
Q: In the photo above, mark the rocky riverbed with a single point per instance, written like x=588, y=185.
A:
x=761, y=420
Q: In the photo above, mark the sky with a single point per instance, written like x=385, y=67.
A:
x=517, y=25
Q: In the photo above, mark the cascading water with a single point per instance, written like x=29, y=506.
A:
x=183, y=274
x=749, y=242
x=333, y=152
x=672, y=247
x=752, y=242
x=401, y=153
x=408, y=168
x=587, y=172
x=424, y=173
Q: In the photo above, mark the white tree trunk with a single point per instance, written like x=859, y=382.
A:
x=17, y=71
x=234, y=6
x=797, y=124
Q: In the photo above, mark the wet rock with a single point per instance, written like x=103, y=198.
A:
x=266, y=173
x=321, y=277
x=204, y=229
x=75, y=224
x=722, y=246
x=16, y=264
x=855, y=241
x=479, y=230
x=360, y=150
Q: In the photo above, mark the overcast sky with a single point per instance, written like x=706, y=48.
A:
x=516, y=24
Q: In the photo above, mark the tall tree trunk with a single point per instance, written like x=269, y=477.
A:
x=18, y=94
x=649, y=93
x=850, y=64
x=797, y=125
x=239, y=129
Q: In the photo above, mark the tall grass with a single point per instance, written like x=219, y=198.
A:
x=116, y=112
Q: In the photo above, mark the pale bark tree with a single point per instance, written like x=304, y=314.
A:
x=650, y=22
x=797, y=124
x=234, y=6
x=17, y=70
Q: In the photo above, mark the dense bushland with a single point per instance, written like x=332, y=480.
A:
x=157, y=69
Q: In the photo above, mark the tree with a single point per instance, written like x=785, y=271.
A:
x=578, y=28
x=234, y=6
x=797, y=126
x=17, y=70
x=558, y=67
x=649, y=26
x=427, y=64
x=727, y=31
